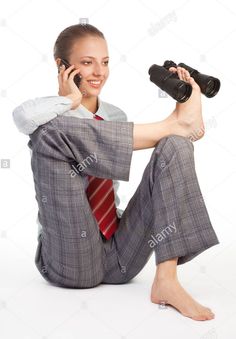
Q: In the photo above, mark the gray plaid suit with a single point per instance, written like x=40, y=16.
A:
x=166, y=214
x=71, y=250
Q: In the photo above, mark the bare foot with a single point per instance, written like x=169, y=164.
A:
x=189, y=113
x=170, y=292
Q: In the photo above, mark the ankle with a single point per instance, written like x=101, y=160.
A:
x=164, y=278
x=178, y=127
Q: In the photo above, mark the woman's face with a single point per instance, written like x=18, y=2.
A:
x=90, y=55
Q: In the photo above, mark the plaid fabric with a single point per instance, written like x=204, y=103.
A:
x=166, y=214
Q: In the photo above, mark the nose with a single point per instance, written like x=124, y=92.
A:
x=98, y=70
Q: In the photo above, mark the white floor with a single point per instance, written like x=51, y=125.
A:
x=30, y=308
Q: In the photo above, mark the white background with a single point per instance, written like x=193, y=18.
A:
x=199, y=33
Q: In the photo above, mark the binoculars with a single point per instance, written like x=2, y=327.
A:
x=179, y=89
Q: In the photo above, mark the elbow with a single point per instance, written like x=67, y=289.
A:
x=23, y=124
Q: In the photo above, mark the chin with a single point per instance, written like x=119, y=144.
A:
x=91, y=92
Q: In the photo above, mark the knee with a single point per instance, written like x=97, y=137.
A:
x=177, y=142
x=174, y=145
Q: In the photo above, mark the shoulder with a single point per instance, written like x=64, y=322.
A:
x=113, y=112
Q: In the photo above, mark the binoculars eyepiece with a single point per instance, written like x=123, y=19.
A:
x=179, y=89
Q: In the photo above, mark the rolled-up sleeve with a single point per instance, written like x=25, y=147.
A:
x=100, y=148
x=32, y=113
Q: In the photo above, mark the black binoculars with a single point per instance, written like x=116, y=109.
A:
x=179, y=89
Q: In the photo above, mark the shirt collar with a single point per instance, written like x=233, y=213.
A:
x=83, y=112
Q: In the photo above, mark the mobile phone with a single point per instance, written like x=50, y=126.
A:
x=77, y=77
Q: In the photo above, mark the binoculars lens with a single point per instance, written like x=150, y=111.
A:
x=212, y=87
x=170, y=83
x=209, y=85
x=178, y=89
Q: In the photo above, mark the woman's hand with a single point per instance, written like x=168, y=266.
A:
x=67, y=86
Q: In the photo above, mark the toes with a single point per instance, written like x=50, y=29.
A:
x=202, y=317
x=193, y=83
x=210, y=316
x=179, y=71
x=173, y=69
x=184, y=74
x=187, y=75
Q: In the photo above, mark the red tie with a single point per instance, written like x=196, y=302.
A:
x=100, y=193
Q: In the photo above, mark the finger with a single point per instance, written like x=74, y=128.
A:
x=74, y=73
x=66, y=72
x=61, y=69
x=59, y=78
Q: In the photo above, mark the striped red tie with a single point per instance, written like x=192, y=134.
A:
x=100, y=193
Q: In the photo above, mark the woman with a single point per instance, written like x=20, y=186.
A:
x=70, y=150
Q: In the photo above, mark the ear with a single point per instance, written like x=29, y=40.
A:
x=58, y=62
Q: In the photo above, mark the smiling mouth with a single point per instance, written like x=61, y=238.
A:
x=95, y=83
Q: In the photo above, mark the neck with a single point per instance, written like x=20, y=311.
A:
x=91, y=103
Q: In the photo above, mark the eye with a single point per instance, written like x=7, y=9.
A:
x=86, y=62
x=106, y=62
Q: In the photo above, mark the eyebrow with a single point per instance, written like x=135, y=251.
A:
x=88, y=56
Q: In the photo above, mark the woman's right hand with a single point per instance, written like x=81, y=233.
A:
x=67, y=86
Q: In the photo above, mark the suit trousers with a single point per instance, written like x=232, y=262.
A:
x=166, y=216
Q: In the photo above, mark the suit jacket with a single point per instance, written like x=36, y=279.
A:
x=38, y=112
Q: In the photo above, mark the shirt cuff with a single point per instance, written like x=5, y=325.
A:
x=33, y=113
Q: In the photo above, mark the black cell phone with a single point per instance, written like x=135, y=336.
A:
x=77, y=77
